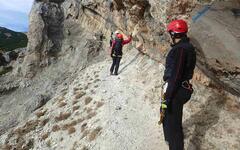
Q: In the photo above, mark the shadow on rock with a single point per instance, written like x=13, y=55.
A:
x=134, y=59
x=202, y=121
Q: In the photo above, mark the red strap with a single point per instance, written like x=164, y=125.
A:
x=179, y=64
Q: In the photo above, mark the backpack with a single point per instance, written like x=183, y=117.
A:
x=117, y=48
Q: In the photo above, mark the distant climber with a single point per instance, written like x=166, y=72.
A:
x=179, y=69
x=116, y=51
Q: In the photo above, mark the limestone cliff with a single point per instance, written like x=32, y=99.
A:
x=57, y=26
x=64, y=99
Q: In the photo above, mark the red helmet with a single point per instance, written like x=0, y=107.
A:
x=120, y=36
x=178, y=26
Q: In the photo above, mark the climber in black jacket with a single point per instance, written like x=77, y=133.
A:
x=116, y=52
x=180, y=64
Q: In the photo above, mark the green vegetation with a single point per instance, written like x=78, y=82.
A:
x=10, y=40
x=4, y=70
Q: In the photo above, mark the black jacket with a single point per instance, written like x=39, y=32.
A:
x=180, y=64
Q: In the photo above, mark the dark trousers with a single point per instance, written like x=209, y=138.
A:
x=172, y=123
x=115, y=65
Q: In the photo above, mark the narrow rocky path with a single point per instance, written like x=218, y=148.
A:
x=129, y=120
x=100, y=112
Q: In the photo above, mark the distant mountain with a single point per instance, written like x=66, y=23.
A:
x=10, y=40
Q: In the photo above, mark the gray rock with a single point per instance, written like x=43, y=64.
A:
x=37, y=102
x=217, y=45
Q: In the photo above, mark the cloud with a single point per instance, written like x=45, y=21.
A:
x=14, y=14
x=16, y=5
x=14, y=20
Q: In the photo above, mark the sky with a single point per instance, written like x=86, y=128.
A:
x=14, y=14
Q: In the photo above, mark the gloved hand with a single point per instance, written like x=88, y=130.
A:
x=164, y=105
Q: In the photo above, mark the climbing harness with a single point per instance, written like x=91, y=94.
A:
x=187, y=85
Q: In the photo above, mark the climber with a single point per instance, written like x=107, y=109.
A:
x=116, y=51
x=179, y=69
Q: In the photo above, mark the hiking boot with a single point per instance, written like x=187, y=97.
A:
x=115, y=74
x=111, y=73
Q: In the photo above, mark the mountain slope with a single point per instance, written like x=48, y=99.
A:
x=99, y=111
x=10, y=40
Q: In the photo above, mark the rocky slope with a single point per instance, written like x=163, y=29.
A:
x=26, y=95
x=63, y=98
x=103, y=112
x=98, y=111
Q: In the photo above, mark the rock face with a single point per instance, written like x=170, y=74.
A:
x=57, y=26
x=53, y=57
x=58, y=78
x=216, y=36
x=45, y=34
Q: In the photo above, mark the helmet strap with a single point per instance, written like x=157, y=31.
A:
x=173, y=38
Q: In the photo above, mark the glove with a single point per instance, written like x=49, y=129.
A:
x=164, y=104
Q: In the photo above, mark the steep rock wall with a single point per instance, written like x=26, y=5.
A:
x=55, y=27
